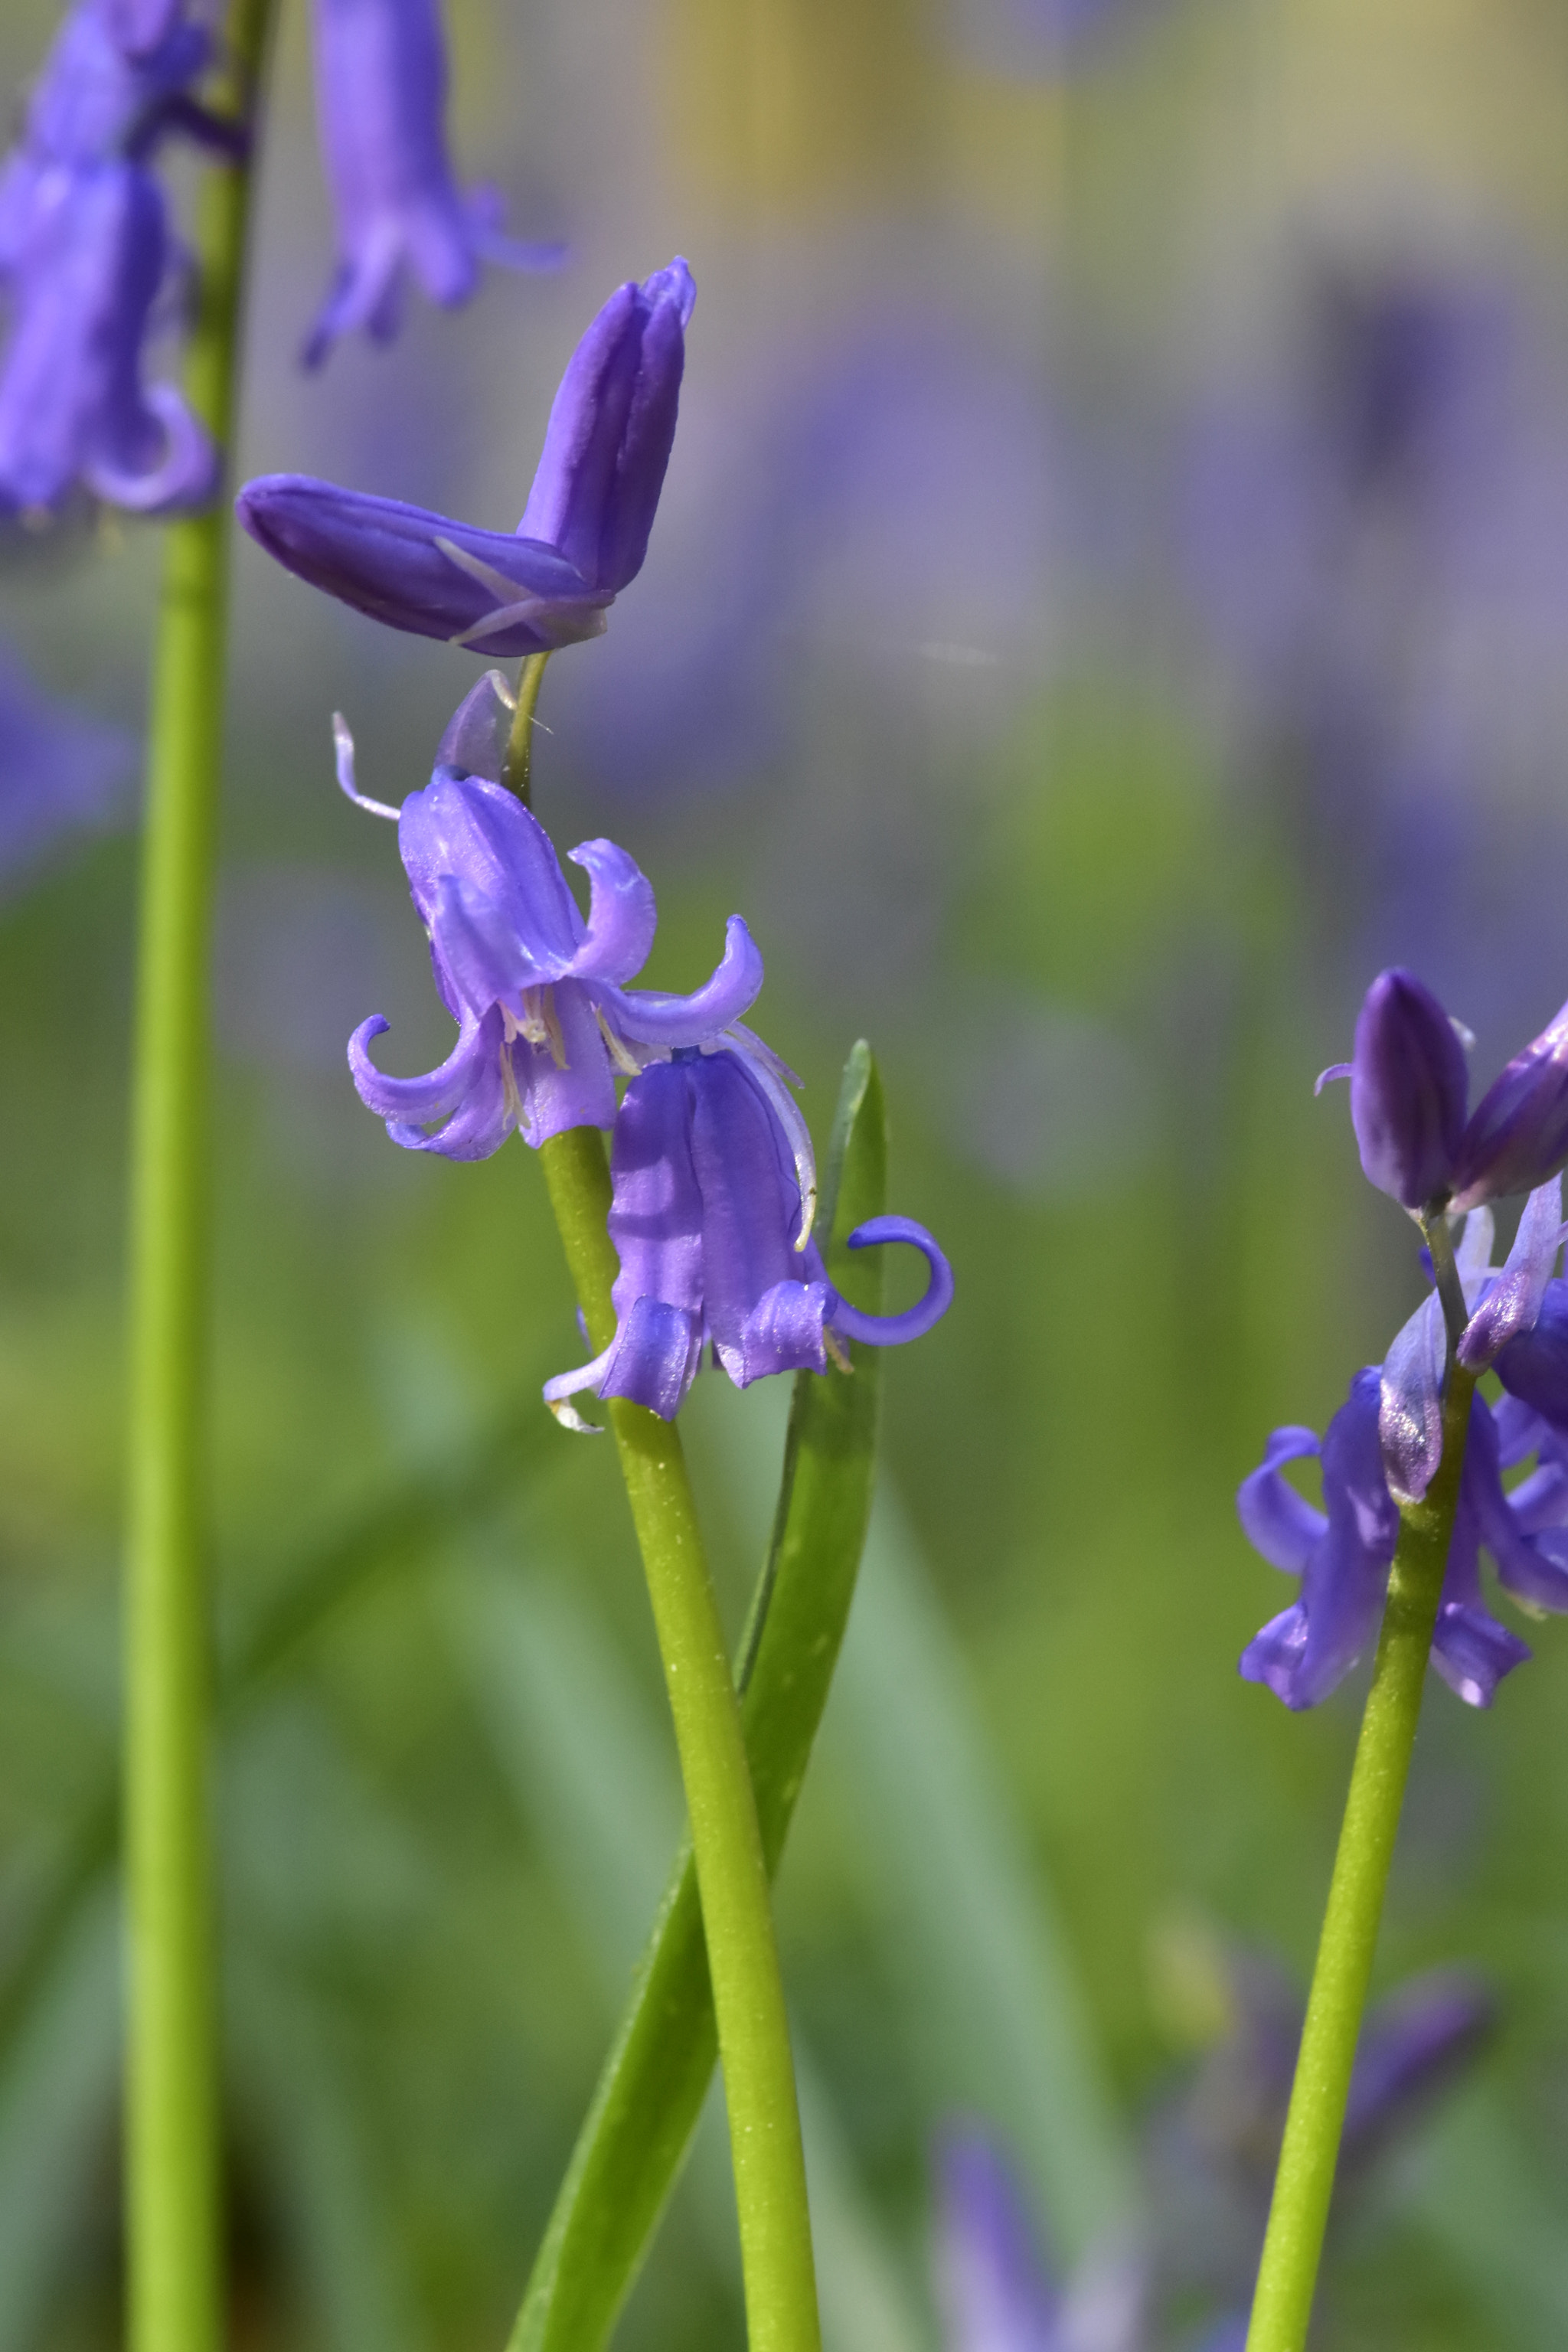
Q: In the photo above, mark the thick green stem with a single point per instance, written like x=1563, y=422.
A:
x=1282, y=2304
x=173, y=2219
x=516, y=772
x=732, y=1873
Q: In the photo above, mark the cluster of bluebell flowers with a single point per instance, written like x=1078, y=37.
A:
x=91, y=267
x=86, y=253
x=1409, y=1100
x=713, y=1180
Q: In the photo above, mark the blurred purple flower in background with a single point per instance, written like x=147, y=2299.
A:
x=62, y=772
x=1185, y=2278
x=1377, y=542
x=584, y=532
x=74, y=407
x=381, y=92
x=714, y=1189
x=543, y=1015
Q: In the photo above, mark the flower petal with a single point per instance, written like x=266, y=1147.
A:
x=386, y=558
x=1277, y=1521
x=1534, y=1365
x=1513, y=1302
x=471, y=847
x=439, y=1091
x=1472, y=1652
x=1410, y=1417
x=622, y=915
x=893, y=1330
x=580, y=1093
x=655, y=1214
x=652, y=1018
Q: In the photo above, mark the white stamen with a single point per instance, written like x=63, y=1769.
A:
x=343, y=746
x=1467, y=1037
x=498, y=683
x=620, y=1053
x=567, y=1415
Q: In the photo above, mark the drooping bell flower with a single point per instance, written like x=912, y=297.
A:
x=381, y=94
x=710, y=1217
x=1342, y=1552
x=73, y=404
x=544, y=1017
x=584, y=532
x=1409, y=1098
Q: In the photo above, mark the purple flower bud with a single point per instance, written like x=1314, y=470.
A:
x=611, y=430
x=1408, y=1089
x=381, y=90
x=710, y=1219
x=583, y=533
x=72, y=403
x=1518, y=1134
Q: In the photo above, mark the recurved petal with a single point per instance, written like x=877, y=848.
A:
x=436, y=1095
x=622, y=915
x=652, y=1018
x=1472, y=1652
x=1410, y=1412
x=1408, y=1089
x=1518, y=1136
x=417, y=570
x=1275, y=1520
x=893, y=1330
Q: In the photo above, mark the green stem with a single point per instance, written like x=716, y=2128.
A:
x=731, y=1873
x=1303, y=2185
x=516, y=773
x=173, y=2221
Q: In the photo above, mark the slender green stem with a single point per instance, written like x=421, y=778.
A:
x=731, y=1873
x=1287, y=2276
x=171, y=2108
x=516, y=772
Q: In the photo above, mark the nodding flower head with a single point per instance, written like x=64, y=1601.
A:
x=73, y=406
x=1409, y=1092
x=583, y=533
x=381, y=91
x=715, y=1187
x=1342, y=1552
x=544, y=1017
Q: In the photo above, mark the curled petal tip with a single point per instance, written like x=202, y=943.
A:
x=1326, y=1077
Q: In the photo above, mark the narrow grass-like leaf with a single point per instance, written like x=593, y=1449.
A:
x=651, y=2090
x=582, y=1748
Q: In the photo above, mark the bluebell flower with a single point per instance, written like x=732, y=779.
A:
x=992, y=2284
x=381, y=91
x=714, y=1189
x=544, y=1017
x=60, y=771
x=583, y=533
x=1409, y=1095
x=73, y=404
x=1342, y=1552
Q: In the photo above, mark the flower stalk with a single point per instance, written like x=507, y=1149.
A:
x=173, y=2168
x=731, y=1873
x=1286, y=2277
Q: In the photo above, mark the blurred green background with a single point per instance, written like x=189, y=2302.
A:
x=1110, y=598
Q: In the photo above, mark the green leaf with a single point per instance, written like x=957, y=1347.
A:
x=650, y=2093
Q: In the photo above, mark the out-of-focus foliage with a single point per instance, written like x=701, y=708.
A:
x=1109, y=599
